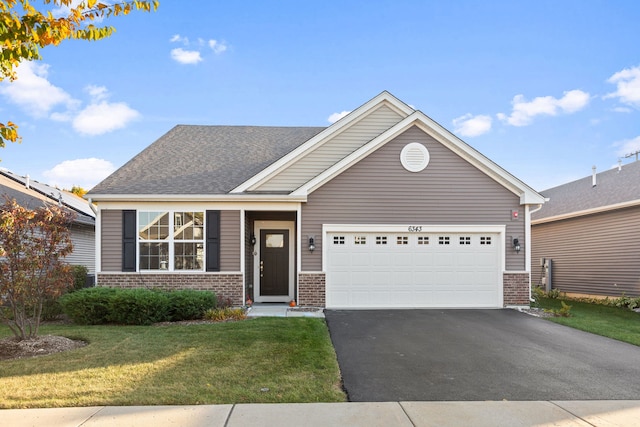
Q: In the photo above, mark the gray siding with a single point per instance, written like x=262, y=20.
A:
x=594, y=254
x=111, y=240
x=230, y=241
x=84, y=247
x=378, y=190
x=334, y=150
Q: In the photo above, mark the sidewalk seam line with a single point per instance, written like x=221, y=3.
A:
x=92, y=415
x=569, y=412
x=226, y=422
x=406, y=413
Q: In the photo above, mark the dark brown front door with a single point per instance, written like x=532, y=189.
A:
x=274, y=262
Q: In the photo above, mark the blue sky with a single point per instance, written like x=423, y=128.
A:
x=546, y=89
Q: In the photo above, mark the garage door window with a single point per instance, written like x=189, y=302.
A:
x=485, y=240
x=443, y=240
x=360, y=240
x=402, y=240
x=381, y=240
x=465, y=240
x=423, y=240
x=338, y=240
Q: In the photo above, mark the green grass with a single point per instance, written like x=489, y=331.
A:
x=261, y=360
x=613, y=322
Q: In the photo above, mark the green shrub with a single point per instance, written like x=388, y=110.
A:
x=79, y=277
x=190, y=304
x=138, y=307
x=89, y=306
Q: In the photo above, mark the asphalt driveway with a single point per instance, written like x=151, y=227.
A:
x=439, y=355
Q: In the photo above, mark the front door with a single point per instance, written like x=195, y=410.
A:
x=274, y=263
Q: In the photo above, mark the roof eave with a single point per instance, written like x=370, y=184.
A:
x=584, y=212
x=244, y=197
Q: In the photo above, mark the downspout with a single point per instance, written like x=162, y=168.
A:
x=528, y=242
x=93, y=208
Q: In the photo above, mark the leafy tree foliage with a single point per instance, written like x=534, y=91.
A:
x=25, y=29
x=78, y=191
x=33, y=244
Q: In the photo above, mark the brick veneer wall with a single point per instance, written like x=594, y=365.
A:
x=311, y=289
x=226, y=286
x=516, y=288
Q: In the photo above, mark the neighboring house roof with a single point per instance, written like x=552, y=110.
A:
x=615, y=188
x=33, y=194
x=203, y=159
x=234, y=161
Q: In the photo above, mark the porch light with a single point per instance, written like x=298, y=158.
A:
x=312, y=246
x=252, y=239
x=516, y=245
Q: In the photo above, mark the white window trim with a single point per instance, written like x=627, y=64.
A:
x=171, y=241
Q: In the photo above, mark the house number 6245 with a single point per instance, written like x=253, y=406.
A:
x=415, y=228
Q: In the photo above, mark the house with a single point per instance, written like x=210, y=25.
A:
x=589, y=230
x=33, y=194
x=383, y=209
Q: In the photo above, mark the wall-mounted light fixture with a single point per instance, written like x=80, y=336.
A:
x=312, y=243
x=516, y=244
x=252, y=239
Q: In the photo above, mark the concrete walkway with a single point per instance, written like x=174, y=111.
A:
x=283, y=310
x=441, y=414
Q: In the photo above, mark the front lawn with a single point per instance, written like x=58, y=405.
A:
x=260, y=360
x=613, y=322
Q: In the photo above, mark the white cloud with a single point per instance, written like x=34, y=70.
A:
x=185, y=56
x=469, y=125
x=628, y=86
x=83, y=172
x=33, y=92
x=627, y=146
x=337, y=116
x=622, y=110
x=177, y=38
x=103, y=117
x=524, y=111
x=217, y=47
x=97, y=93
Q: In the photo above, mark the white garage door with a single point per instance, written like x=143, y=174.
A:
x=399, y=270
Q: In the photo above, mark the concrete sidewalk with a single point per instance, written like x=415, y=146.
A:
x=597, y=413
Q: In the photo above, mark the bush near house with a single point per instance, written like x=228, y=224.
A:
x=96, y=306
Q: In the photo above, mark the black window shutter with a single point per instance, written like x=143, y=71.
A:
x=213, y=240
x=129, y=240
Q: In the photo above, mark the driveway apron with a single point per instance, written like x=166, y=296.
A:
x=465, y=355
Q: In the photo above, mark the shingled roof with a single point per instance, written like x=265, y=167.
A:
x=613, y=187
x=203, y=159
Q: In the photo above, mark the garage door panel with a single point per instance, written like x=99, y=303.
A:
x=413, y=270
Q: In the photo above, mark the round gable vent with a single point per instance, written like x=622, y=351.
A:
x=414, y=157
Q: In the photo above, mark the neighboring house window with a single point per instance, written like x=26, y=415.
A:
x=171, y=240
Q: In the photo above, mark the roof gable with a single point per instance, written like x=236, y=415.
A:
x=329, y=146
x=615, y=188
x=527, y=194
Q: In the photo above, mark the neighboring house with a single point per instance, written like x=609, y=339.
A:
x=32, y=195
x=384, y=208
x=590, y=230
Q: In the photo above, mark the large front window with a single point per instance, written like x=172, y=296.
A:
x=171, y=240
